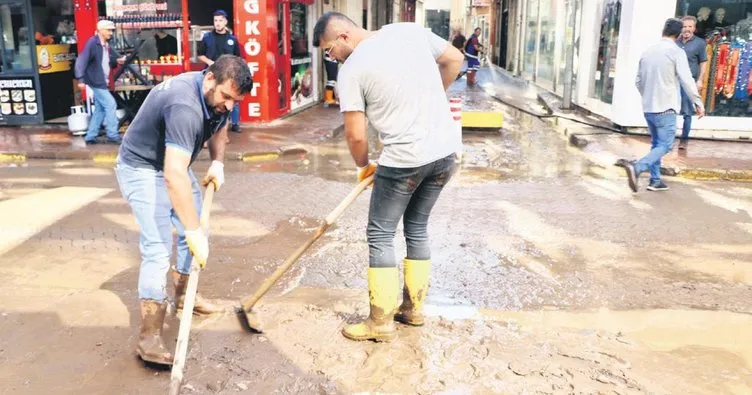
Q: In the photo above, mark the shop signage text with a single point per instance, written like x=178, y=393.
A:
x=54, y=58
x=17, y=98
x=252, y=30
x=140, y=7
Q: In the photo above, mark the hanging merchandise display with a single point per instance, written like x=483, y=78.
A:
x=740, y=93
x=710, y=75
x=733, y=69
x=727, y=29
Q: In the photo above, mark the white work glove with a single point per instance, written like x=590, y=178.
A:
x=199, y=245
x=368, y=170
x=215, y=175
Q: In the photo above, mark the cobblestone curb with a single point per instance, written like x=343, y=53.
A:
x=702, y=174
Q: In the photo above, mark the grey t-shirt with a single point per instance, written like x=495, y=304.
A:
x=696, y=53
x=173, y=114
x=393, y=77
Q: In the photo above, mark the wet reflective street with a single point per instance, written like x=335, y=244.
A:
x=548, y=276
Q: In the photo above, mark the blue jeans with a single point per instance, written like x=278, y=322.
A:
x=104, y=110
x=410, y=194
x=687, y=110
x=146, y=192
x=662, y=128
x=235, y=114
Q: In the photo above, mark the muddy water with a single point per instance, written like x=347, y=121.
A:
x=651, y=351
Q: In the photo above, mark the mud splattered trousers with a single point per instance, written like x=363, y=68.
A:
x=410, y=194
x=146, y=193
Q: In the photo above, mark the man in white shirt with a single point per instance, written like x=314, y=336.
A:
x=396, y=77
x=663, y=68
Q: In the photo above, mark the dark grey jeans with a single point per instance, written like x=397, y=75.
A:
x=408, y=193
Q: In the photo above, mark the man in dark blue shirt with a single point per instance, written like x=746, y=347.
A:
x=217, y=43
x=153, y=170
x=472, y=54
x=697, y=57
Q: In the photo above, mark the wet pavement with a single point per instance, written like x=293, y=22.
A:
x=549, y=276
x=312, y=125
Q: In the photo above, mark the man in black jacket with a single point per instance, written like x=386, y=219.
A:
x=93, y=68
x=459, y=42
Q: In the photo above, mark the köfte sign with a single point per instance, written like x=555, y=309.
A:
x=251, y=32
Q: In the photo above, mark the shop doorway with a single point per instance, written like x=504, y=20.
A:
x=502, y=33
x=298, y=87
x=19, y=82
x=602, y=81
x=382, y=13
x=408, y=11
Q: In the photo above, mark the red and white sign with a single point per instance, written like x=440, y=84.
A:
x=251, y=31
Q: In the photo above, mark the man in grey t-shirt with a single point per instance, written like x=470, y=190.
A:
x=153, y=171
x=397, y=78
x=697, y=58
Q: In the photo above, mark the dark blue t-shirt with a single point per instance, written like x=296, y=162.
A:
x=470, y=47
x=213, y=45
x=696, y=53
x=175, y=114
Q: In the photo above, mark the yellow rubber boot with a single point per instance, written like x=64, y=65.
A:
x=414, y=292
x=383, y=289
x=328, y=96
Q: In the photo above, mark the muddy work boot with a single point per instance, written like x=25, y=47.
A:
x=414, y=292
x=201, y=306
x=151, y=347
x=383, y=287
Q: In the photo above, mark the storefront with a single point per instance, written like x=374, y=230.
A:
x=36, y=76
x=37, y=47
x=625, y=29
x=277, y=37
x=546, y=35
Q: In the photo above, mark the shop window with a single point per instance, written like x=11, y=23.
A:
x=531, y=34
x=547, y=44
x=571, y=43
x=602, y=87
x=17, y=35
x=438, y=22
x=727, y=29
x=281, y=75
x=301, y=61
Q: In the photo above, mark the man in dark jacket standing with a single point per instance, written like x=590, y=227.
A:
x=458, y=41
x=217, y=43
x=93, y=69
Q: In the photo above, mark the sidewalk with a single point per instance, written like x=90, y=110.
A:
x=703, y=159
x=18, y=144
